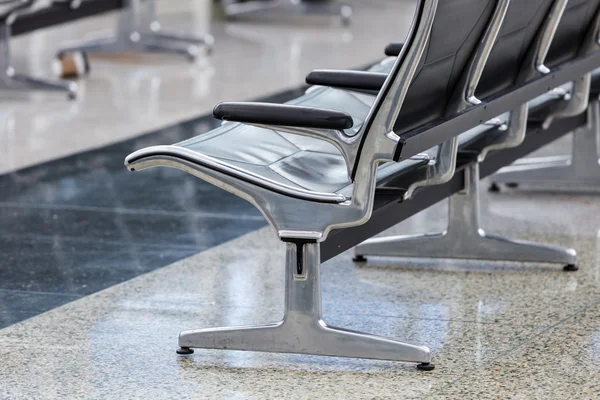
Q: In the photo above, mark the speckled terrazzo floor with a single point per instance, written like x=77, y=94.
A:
x=496, y=330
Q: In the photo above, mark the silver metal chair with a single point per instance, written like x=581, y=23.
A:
x=138, y=30
x=236, y=9
x=313, y=170
x=464, y=237
x=580, y=169
x=10, y=79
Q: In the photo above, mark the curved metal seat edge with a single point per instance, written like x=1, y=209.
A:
x=184, y=159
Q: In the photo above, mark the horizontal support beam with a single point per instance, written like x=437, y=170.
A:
x=390, y=210
x=422, y=139
x=60, y=14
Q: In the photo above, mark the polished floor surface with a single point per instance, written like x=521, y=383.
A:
x=496, y=330
x=100, y=269
x=73, y=220
x=80, y=224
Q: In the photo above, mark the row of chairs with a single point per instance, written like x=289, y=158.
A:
x=468, y=70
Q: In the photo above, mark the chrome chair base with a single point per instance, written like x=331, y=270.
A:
x=579, y=170
x=132, y=43
x=236, y=10
x=148, y=38
x=10, y=80
x=208, y=41
x=464, y=239
x=302, y=330
x=18, y=82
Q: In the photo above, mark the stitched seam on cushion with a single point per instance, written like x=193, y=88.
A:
x=297, y=184
x=200, y=138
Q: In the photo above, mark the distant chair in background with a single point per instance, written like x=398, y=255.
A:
x=10, y=80
x=139, y=31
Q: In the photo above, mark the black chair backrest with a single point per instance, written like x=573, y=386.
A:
x=456, y=32
x=572, y=30
x=524, y=19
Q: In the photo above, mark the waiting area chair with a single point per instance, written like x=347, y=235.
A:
x=315, y=163
x=10, y=79
x=138, y=30
x=464, y=238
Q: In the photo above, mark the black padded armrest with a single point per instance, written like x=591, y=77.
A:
x=283, y=115
x=358, y=80
x=393, y=49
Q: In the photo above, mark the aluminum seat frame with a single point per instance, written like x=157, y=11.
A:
x=302, y=329
x=464, y=238
x=10, y=80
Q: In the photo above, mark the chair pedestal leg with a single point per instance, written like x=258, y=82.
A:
x=9, y=80
x=134, y=39
x=20, y=82
x=580, y=169
x=464, y=239
x=153, y=29
x=302, y=329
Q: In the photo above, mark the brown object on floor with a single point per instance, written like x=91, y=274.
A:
x=71, y=66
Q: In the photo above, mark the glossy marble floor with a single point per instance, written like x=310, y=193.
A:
x=496, y=330
x=100, y=269
x=69, y=210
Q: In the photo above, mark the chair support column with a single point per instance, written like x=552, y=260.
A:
x=302, y=329
x=10, y=80
x=464, y=239
x=580, y=169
